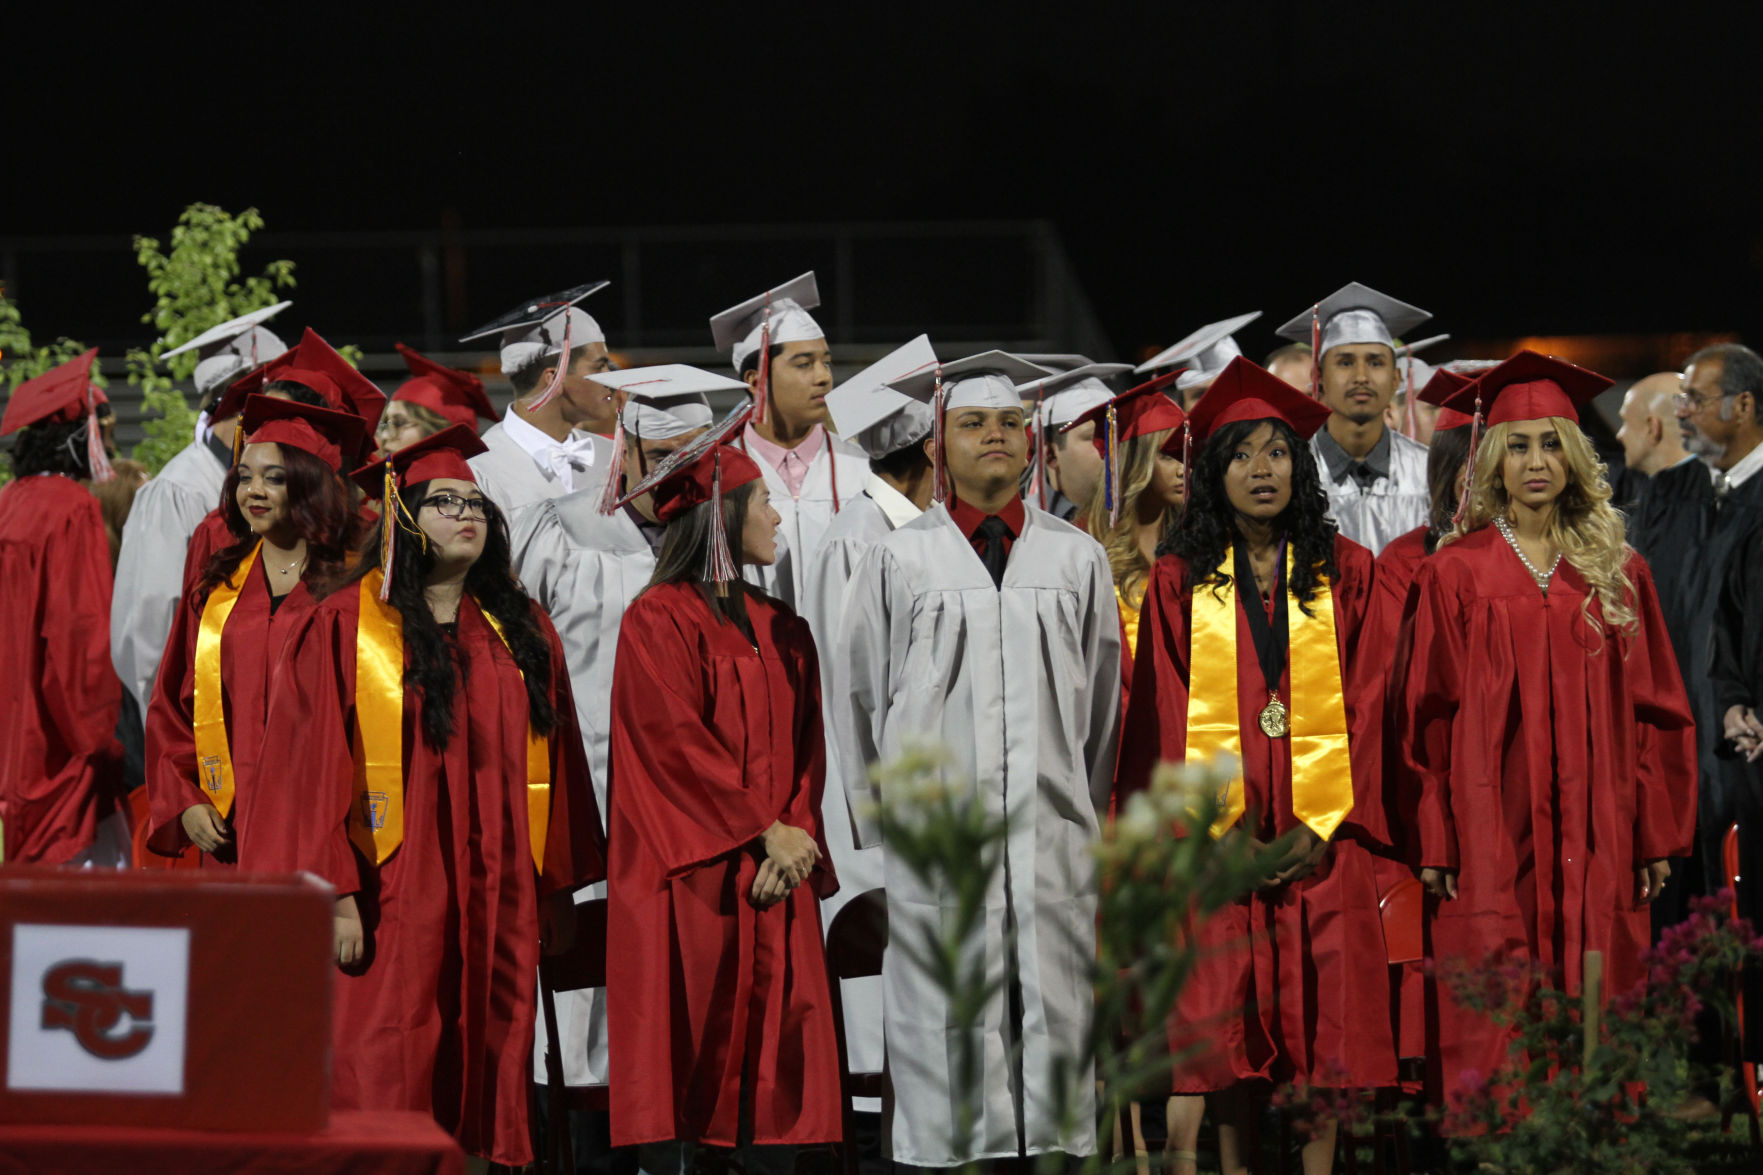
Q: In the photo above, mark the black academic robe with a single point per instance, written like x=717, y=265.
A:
x=1737, y=679
x=1688, y=538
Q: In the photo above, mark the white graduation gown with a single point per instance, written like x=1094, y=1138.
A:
x=806, y=516
x=150, y=565
x=583, y=569
x=1020, y=686
x=859, y=526
x=511, y=477
x=1392, y=507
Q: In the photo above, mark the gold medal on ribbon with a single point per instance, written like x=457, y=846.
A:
x=1273, y=717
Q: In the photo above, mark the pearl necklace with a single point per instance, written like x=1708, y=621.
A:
x=1505, y=528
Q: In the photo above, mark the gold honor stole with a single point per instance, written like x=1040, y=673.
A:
x=1322, y=771
x=214, y=754
x=376, y=817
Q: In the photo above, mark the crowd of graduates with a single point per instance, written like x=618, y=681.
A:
x=617, y=649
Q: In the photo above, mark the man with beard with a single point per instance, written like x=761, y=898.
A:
x=1375, y=477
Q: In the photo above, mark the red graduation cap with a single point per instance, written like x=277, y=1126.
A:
x=1529, y=386
x=457, y=395
x=700, y=472
x=442, y=454
x=313, y=363
x=64, y=393
x=1136, y=412
x=1444, y=384
x=336, y=438
x=1245, y=391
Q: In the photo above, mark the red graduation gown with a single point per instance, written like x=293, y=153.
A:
x=1548, y=762
x=440, y=1019
x=1293, y=983
x=60, y=762
x=249, y=646
x=712, y=741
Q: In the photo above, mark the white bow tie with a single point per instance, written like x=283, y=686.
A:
x=570, y=457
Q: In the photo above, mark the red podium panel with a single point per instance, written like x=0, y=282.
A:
x=189, y=1000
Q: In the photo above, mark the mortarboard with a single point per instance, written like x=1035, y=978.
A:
x=1529, y=386
x=315, y=364
x=1204, y=353
x=234, y=347
x=1246, y=391
x=441, y=454
x=540, y=328
x=987, y=380
x=871, y=414
x=666, y=400
x=698, y=472
x=1060, y=399
x=780, y=315
x=457, y=395
x=339, y=439
x=1355, y=313
x=1136, y=412
x=64, y=393
x=1055, y=361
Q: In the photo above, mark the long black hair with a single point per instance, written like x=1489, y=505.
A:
x=319, y=506
x=51, y=446
x=685, y=555
x=1444, y=464
x=1209, y=525
x=431, y=671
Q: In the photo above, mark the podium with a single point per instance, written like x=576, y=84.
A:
x=185, y=1000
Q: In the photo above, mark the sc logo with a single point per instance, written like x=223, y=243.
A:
x=87, y=998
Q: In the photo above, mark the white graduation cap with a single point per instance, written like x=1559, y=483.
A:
x=1069, y=394
x=1354, y=313
x=1204, y=353
x=1415, y=372
x=868, y=412
x=1055, y=362
x=536, y=329
x=232, y=348
x=986, y=380
x=667, y=400
x=783, y=310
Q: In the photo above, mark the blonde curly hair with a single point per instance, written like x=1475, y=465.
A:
x=1586, y=529
x=1131, y=570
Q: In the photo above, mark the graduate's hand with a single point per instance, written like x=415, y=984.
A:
x=1649, y=881
x=206, y=827
x=770, y=886
x=1440, y=883
x=1307, y=854
x=346, y=932
x=1744, y=731
x=791, y=850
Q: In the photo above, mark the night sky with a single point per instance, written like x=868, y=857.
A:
x=1519, y=170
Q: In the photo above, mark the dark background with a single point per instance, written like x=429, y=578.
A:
x=1520, y=170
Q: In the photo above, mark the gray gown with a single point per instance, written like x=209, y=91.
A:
x=150, y=565
x=859, y=526
x=583, y=569
x=1391, y=507
x=1020, y=685
x=806, y=515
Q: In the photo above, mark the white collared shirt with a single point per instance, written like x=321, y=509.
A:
x=896, y=507
x=1740, y=473
x=559, y=459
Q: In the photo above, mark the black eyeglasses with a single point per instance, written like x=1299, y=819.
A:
x=455, y=507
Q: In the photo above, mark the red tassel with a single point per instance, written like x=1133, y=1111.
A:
x=1039, y=489
x=1316, y=351
x=1469, y=481
x=760, y=409
x=939, y=490
x=97, y=460
x=719, y=567
x=1187, y=465
x=615, y=473
x=556, y=384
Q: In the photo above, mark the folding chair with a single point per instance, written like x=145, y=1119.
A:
x=855, y=944
x=583, y=965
